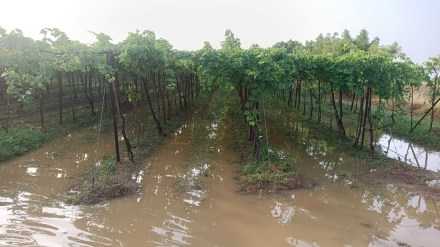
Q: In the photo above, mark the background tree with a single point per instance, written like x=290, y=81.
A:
x=433, y=70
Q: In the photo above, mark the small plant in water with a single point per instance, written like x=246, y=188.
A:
x=108, y=165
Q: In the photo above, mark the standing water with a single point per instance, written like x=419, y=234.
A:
x=409, y=153
x=189, y=198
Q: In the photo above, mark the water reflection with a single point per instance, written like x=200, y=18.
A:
x=32, y=171
x=397, y=206
x=409, y=153
x=212, y=129
x=191, y=184
x=283, y=213
x=433, y=184
x=408, y=233
x=174, y=230
x=299, y=243
x=138, y=177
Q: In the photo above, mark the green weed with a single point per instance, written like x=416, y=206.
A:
x=420, y=134
x=19, y=141
x=108, y=165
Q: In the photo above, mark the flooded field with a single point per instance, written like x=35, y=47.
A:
x=189, y=197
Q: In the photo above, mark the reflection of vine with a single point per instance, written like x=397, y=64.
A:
x=396, y=206
x=409, y=152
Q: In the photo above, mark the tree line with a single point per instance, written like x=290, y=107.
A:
x=349, y=76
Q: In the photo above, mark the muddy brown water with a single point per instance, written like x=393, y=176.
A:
x=338, y=212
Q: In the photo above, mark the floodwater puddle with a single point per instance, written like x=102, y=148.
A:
x=189, y=197
x=410, y=153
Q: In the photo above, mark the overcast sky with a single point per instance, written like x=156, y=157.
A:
x=186, y=24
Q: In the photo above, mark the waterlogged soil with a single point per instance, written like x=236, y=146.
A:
x=188, y=197
x=412, y=179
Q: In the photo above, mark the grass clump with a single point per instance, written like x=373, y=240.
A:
x=18, y=141
x=273, y=172
x=107, y=165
